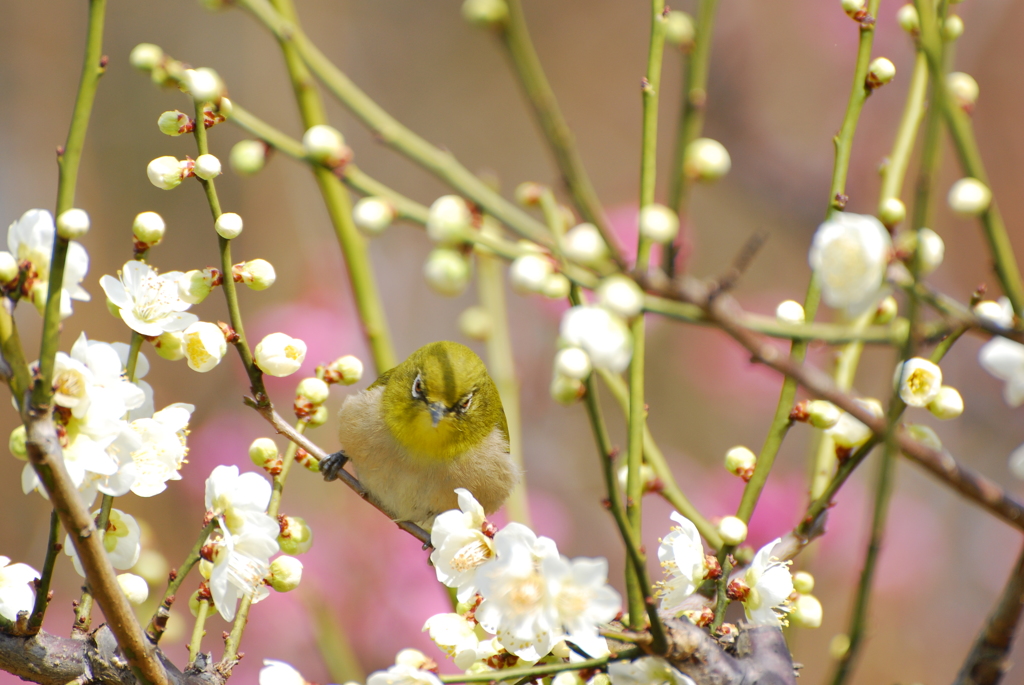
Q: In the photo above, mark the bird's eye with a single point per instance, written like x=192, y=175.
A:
x=417, y=387
x=463, y=405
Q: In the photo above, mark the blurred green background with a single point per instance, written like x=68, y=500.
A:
x=780, y=78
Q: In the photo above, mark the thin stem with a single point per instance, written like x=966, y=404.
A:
x=83, y=611
x=195, y=645
x=516, y=37
x=634, y=463
x=656, y=460
x=650, y=91
x=286, y=466
x=133, y=355
x=387, y=129
x=53, y=547
x=691, y=118
x=532, y=672
x=93, y=66
x=491, y=290
x=895, y=168
x=158, y=623
x=18, y=378
x=959, y=123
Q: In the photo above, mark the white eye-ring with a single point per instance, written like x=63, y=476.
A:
x=417, y=387
x=467, y=401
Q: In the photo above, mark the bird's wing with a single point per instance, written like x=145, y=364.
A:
x=382, y=380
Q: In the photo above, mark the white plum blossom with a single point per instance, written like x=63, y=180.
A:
x=121, y=540
x=647, y=670
x=456, y=636
x=583, y=600
x=158, y=449
x=681, y=554
x=849, y=254
x=204, y=346
x=918, y=381
x=460, y=545
x=848, y=432
x=148, y=302
x=280, y=673
x=279, y=354
x=403, y=674
x=998, y=312
x=518, y=605
x=16, y=590
x=770, y=585
x=235, y=496
x=1004, y=359
x=30, y=240
x=602, y=335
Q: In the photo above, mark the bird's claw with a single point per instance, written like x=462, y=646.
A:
x=332, y=464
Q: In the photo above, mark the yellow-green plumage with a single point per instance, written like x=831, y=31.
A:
x=431, y=424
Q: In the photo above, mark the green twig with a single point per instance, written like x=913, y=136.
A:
x=83, y=610
x=895, y=168
x=53, y=547
x=516, y=37
x=158, y=623
x=195, y=645
x=691, y=117
x=533, y=672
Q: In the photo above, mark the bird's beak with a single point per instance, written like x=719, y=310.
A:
x=437, y=412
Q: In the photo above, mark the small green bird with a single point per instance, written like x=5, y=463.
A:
x=430, y=425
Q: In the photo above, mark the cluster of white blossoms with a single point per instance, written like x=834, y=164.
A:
x=30, y=241
x=530, y=598
x=594, y=336
x=240, y=550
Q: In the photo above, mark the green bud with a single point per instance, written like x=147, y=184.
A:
x=318, y=417
x=313, y=389
x=679, y=28
x=296, y=536
x=485, y=13
x=17, y=443
x=285, y=573
x=174, y=123
x=248, y=157
x=262, y=451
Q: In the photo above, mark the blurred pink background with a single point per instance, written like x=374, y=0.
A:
x=780, y=77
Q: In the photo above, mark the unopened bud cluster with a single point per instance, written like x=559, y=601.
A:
x=919, y=382
x=345, y=370
x=310, y=396
x=257, y=274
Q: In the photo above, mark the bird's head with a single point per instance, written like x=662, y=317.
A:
x=440, y=401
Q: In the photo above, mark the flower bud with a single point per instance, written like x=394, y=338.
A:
x=279, y=354
x=706, y=160
x=998, y=313
x=529, y=193
x=740, y=461
x=573, y=362
x=649, y=481
x=205, y=568
x=296, y=536
x=679, y=28
x=345, y=370
x=195, y=285
x=207, y=167
x=838, y=646
x=9, y=270
x=733, y=530
x=148, y=228
x=17, y=443
x=170, y=345
x=887, y=310
x=880, y=72
x=319, y=417
x=529, y=273
x=280, y=673
x=853, y=7
x=449, y=216
x=248, y=157
x=848, y=432
x=373, y=215
x=803, y=582
x=790, y=311
x=565, y=390
x=948, y=404
x=205, y=346
x=228, y=225
x=486, y=13
x=447, y=271
x=257, y=274
x=413, y=658
x=224, y=108
x=134, y=587
x=285, y=573
x=166, y=172
x=475, y=323
x=806, y=612
x=72, y=224
x=892, y=211
x=324, y=144
x=556, y=287
x=918, y=381
x=658, y=223
x=969, y=197
x=313, y=389
x=193, y=603
x=925, y=435
x=621, y=295
x=952, y=28
x=262, y=451
x=822, y=414
x=203, y=84
x=963, y=89
x=174, y=123
x=583, y=243
x=908, y=19
x=146, y=56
